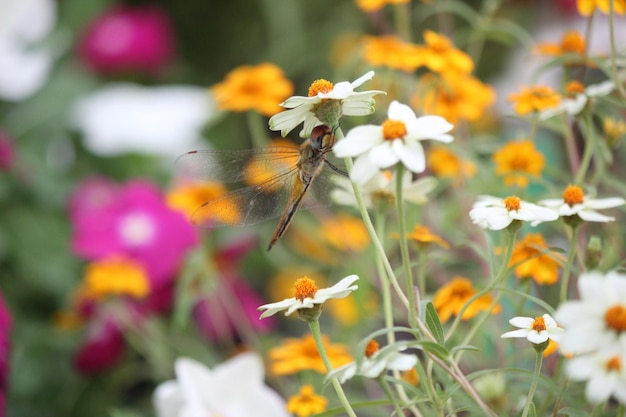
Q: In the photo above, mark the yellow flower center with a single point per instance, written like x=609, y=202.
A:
x=304, y=288
x=614, y=364
x=539, y=325
x=116, y=276
x=615, y=318
x=573, y=195
x=512, y=203
x=320, y=86
x=574, y=87
x=371, y=348
x=393, y=129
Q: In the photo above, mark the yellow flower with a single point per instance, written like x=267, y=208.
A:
x=450, y=299
x=613, y=130
x=369, y=6
x=411, y=377
x=391, y=52
x=572, y=42
x=455, y=96
x=440, y=55
x=346, y=233
x=533, y=99
x=446, y=164
x=552, y=347
x=306, y=402
x=297, y=355
x=186, y=197
x=530, y=261
x=115, y=276
x=518, y=161
x=423, y=236
x=261, y=88
x=258, y=170
x=587, y=7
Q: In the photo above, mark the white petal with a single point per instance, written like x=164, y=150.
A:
x=401, y=362
x=601, y=89
x=287, y=120
x=515, y=333
x=599, y=388
x=363, y=169
x=383, y=155
x=594, y=216
x=297, y=101
x=273, y=308
x=340, y=290
x=604, y=203
x=358, y=140
x=399, y=111
x=417, y=191
x=537, y=337
x=359, y=105
x=343, y=373
x=411, y=154
x=168, y=399
x=362, y=79
x=430, y=127
x=522, y=322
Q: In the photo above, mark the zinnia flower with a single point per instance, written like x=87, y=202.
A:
x=534, y=99
x=571, y=42
x=450, y=299
x=296, y=355
x=588, y=7
x=577, y=96
x=325, y=104
x=575, y=203
x=518, y=161
x=234, y=388
x=497, y=213
x=370, y=6
x=447, y=164
x=391, y=52
x=306, y=402
x=536, y=330
x=532, y=259
x=396, y=140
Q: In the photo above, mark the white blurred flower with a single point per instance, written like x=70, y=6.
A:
x=307, y=295
x=536, y=330
x=122, y=118
x=396, y=140
x=382, y=186
x=497, y=213
x=234, y=388
x=344, y=101
x=374, y=363
x=24, y=61
x=605, y=373
x=574, y=202
x=576, y=98
x=598, y=320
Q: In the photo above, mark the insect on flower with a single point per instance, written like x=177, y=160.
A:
x=278, y=181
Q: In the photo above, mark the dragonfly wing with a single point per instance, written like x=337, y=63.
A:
x=320, y=189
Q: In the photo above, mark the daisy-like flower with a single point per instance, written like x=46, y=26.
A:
x=534, y=99
x=307, y=295
x=325, y=104
x=518, y=161
x=577, y=96
x=571, y=42
x=575, y=203
x=536, y=330
x=396, y=140
x=375, y=362
x=598, y=319
x=306, y=402
x=497, y=213
x=605, y=373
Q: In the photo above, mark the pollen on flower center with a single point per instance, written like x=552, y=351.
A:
x=615, y=318
x=614, y=364
x=573, y=195
x=574, y=87
x=371, y=348
x=512, y=203
x=393, y=129
x=539, y=325
x=304, y=287
x=320, y=86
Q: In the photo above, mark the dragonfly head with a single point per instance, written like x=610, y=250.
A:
x=322, y=138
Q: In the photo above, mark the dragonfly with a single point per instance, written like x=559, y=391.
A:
x=279, y=181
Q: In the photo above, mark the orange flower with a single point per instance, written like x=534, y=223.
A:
x=446, y=164
x=572, y=42
x=533, y=99
x=114, y=276
x=456, y=96
x=423, y=236
x=369, y=6
x=440, y=55
x=186, y=197
x=306, y=402
x=613, y=130
x=345, y=233
x=258, y=170
x=587, y=7
x=450, y=299
x=533, y=261
x=391, y=52
x=261, y=88
x=297, y=355
x=518, y=161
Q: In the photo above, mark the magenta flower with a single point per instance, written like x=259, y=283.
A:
x=91, y=195
x=7, y=151
x=128, y=39
x=5, y=329
x=102, y=348
x=134, y=221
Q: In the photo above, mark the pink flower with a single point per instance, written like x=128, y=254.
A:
x=103, y=347
x=7, y=151
x=5, y=328
x=128, y=39
x=133, y=221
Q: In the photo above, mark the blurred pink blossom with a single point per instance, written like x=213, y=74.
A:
x=5, y=328
x=102, y=348
x=7, y=151
x=128, y=39
x=133, y=221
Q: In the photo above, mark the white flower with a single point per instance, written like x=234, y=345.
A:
x=307, y=295
x=383, y=186
x=396, y=140
x=497, y=213
x=605, y=373
x=387, y=358
x=598, y=319
x=234, y=388
x=574, y=103
x=574, y=202
x=302, y=109
x=536, y=330
x=123, y=117
x=24, y=61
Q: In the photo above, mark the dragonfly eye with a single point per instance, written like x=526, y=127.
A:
x=322, y=138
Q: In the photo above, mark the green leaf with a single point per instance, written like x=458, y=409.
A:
x=433, y=323
x=573, y=412
x=464, y=347
x=436, y=349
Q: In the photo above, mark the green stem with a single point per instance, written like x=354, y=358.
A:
x=314, y=326
x=568, y=266
x=588, y=153
x=385, y=286
x=404, y=247
x=402, y=21
x=421, y=269
x=256, y=125
x=533, y=386
x=389, y=392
